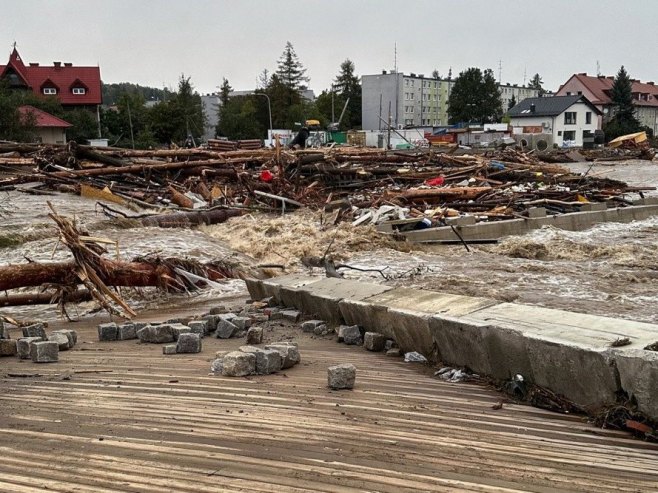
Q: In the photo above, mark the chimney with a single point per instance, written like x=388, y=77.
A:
x=651, y=83
x=57, y=64
x=611, y=77
x=383, y=72
x=422, y=76
x=583, y=73
x=412, y=74
x=68, y=64
x=532, y=108
x=34, y=64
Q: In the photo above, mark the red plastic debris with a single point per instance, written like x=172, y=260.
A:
x=435, y=182
x=266, y=176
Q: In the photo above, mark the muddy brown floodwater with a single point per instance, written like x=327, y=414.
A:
x=610, y=269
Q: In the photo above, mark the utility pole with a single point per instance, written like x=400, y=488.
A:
x=500, y=71
x=130, y=122
x=397, y=88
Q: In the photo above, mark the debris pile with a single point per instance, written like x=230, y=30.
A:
x=36, y=344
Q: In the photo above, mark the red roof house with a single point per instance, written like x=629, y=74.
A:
x=49, y=128
x=598, y=90
x=73, y=86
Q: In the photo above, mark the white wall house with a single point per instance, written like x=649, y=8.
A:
x=567, y=118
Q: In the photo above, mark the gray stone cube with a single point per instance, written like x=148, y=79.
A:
x=217, y=310
x=8, y=347
x=255, y=335
x=267, y=360
x=242, y=323
x=127, y=332
x=188, y=343
x=341, y=376
x=198, y=327
x=35, y=330
x=61, y=340
x=394, y=352
x=44, y=352
x=350, y=334
x=23, y=346
x=390, y=344
x=156, y=334
x=217, y=366
x=374, y=341
x=311, y=325
x=238, y=364
x=225, y=330
x=211, y=323
x=291, y=315
x=71, y=335
x=289, y=354
x=169, y=349
x=139, y=325
x=178, y=329
x=107, y=332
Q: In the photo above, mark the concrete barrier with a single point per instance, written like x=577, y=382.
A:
x=568, y=353
x=574, y=221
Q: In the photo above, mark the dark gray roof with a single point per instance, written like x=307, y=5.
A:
x=548, y=106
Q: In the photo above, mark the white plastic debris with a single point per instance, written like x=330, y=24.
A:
x=414, y=357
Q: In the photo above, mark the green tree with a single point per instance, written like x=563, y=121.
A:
x=84, y=126
x=475, y=98
x=225, y=92
x=13, y=125
x=536, y=83
x=179, y=116
x=623, y=120
x=435, y=74
x=238, y=119
x=347, y=86
x=512, y=103
x=290, y=70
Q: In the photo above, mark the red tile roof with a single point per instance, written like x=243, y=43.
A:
x=64, y=77
x=43, y=119
x=601, y=86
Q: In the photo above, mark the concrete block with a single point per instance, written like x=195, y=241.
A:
x=198, y=327
x=461, y=220
x=23, y=346
x=70, y=335
x=225, y=330
x=535, y=212
x=188, y=343
x=638, y=375
x=255, y=335
x=291, y=315
x=341, y=376
x=311, y=325
x=106, y=332
x=350, y=334
x=61, y=340
x=372, y=341
x=594, y=206
x=44, y=352
x=289, y=354
x=280, y=287
x=242, y=323
x=178, y=329
x=127, y=332
x=35, y=330
x=8, y=347
x=156, y=334
x=267, y=360
x=169, y=349
x=238, y=364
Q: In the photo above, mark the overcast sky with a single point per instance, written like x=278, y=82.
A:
x=153, y=42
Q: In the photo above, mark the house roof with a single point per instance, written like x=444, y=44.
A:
x=601, y=87
x=549, y=106
x=64, y=76
x=43, y=119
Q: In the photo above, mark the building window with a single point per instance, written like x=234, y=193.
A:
x=570, y=118
x=411, y=109
x=411, y=96
x=406, y=82
x=569, y=135
x=588, y=117
x=406, y=96
x=49, y=90
x=79, y=90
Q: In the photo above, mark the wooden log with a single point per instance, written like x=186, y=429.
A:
x=180, y=199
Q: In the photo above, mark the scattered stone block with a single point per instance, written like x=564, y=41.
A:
x=242, y=323
x=350, y=334
x=395, y=352
x=227, y=316
x=311, y=325
x=238, y=364
x=211, y=323
x=267, y=360
x=291, y=315
x=156, y=334
x=321, y=330
x=390, y=344
x=188, y=343
x=169, y=349
x=44, y=352
x=289, y=354
x=374, y=341
x=271, y=312
x=178, y=329
x=127, y=332
x=61, y=340
x=255, y=335
x=341, y=376
x=225, y=330
x=8, y=347
x=217, y=310
x=259, y=318
x=198, y=327
x=35, y=330
x=106, y=332
x=23, y=346
x=139, y=325
x=72, y=336
x=217, y=366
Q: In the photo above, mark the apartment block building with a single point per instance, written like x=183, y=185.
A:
x=415, y=100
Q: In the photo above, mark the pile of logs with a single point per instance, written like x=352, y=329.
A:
x=198, y=183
